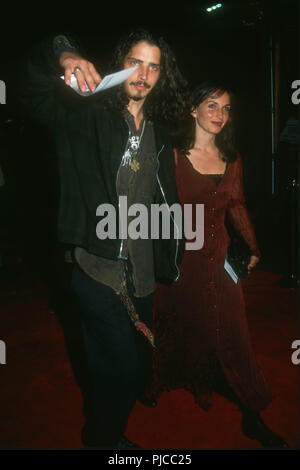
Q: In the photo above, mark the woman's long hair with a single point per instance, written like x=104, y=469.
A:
x=168, y=101
x=224, y=140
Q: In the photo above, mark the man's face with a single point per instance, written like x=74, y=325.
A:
x=145, y=77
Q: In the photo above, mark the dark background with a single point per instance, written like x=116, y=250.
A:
x=233, y=43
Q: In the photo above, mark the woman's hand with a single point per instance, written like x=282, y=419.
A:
x=253, y=262
x=83, y=70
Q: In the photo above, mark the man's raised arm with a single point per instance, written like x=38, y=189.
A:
x=46, y=61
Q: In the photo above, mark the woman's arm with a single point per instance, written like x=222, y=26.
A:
x=239, y=217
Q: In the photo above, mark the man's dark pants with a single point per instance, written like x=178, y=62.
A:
x=118, y=357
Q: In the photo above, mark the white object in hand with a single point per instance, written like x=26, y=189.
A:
x=107, y=82
x=230, y=271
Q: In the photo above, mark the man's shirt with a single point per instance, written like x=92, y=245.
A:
x=136, y=180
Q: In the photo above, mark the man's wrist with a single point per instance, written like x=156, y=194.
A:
x=63, y=44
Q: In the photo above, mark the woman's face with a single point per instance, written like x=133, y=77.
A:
x=213, y=113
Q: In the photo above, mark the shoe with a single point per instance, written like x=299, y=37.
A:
x=126, y=444
x=254, y=428
x=151, y=402
x=123, y=444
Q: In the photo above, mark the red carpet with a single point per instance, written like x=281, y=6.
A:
x=41, y=405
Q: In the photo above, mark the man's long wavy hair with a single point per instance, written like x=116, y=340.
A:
x=168, y=100
x=225, y=140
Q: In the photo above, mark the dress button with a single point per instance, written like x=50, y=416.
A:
x=213, y=209
x=211, y=259
x=212, y=225
x=212, y=234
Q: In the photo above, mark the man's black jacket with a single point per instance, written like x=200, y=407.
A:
x=90, y=140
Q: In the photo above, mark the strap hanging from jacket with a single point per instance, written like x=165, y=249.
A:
x=133, y=315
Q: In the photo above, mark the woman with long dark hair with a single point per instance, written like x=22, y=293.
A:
x=202, y=338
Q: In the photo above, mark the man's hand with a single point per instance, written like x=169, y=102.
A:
x=253, y=262
x=83, y=70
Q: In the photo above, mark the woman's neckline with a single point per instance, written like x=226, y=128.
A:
x=206, y=174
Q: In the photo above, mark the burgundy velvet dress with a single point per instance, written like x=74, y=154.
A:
x=200, y=322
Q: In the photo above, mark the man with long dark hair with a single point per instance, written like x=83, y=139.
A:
x=109, y=145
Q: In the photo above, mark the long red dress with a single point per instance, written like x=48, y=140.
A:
x=200, y=319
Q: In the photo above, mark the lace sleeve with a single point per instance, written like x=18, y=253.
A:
x=237, y=211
